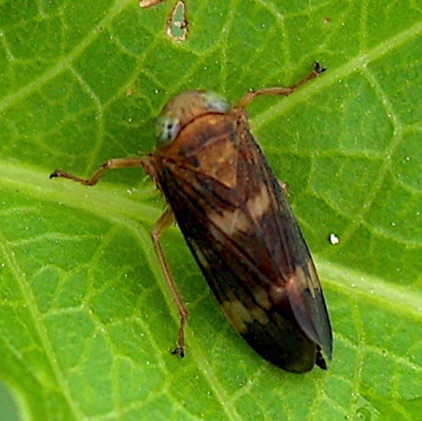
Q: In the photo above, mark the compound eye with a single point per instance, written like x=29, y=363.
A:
x=216, y=103
x=166, y=130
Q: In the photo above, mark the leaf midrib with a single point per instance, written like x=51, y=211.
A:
x=116, y=207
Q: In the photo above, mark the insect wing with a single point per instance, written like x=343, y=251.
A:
x=239, y=226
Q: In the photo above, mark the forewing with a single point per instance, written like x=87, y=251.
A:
x=278, y=234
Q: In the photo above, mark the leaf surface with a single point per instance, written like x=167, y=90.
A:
x=86, y=321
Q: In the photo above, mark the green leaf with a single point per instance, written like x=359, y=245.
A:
x=86, y=321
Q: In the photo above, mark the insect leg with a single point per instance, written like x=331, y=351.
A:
x=250, y=96
x=165, y=220
x=111, y=164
